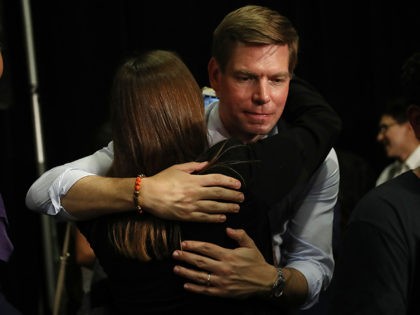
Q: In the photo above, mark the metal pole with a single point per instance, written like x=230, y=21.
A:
x=62, y=271
x=49, y=234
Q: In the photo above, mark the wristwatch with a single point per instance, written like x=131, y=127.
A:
x=279, y=284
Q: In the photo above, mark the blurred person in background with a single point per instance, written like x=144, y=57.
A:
x=398, y=138
x=379, y=267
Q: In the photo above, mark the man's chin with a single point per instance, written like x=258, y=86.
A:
x=259, y=130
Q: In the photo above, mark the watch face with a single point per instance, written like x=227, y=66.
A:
x=279, y=284
x=278, y=291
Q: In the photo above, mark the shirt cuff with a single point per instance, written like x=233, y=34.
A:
x=314, y=279
x=60, y=187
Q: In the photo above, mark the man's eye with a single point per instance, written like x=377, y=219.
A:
x=279, y=80
x=243, y=78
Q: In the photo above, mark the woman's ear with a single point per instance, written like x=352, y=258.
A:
x=413, y=113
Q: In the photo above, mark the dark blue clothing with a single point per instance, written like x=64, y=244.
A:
x=6, y=246
x=6, y=249
x=378, y=271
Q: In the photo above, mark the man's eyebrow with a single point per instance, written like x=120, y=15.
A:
x=244, y=72
x=282, y=74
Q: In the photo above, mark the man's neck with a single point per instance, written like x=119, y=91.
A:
x=218, y=131
x=245, y=138
x=417, y=172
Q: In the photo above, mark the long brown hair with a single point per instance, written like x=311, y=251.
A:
x=158, y=120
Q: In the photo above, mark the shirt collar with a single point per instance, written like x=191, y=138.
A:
x=413, y=161
x=216, y=130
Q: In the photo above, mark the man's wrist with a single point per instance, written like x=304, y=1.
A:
x=266, y=290
x=279, y=284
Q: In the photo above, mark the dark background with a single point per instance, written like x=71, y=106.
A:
x=351, y=51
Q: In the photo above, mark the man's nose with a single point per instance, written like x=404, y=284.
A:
x=261, y=95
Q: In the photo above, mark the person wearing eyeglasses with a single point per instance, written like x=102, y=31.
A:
x=399, y=140
x=378, y=272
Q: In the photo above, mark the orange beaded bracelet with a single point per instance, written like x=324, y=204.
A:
x=136, y=193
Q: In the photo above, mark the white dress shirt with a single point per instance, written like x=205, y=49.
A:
x=304, y=242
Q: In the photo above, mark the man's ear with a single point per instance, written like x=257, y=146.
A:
x=1, y=64
x=413, y=113
x=213, y=69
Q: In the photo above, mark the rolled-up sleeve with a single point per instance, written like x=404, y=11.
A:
x=44, y=195
x=306, y=244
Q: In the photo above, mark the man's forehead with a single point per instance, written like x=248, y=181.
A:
x=267, y=59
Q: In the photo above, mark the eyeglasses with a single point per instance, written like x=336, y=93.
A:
x=384, y=127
